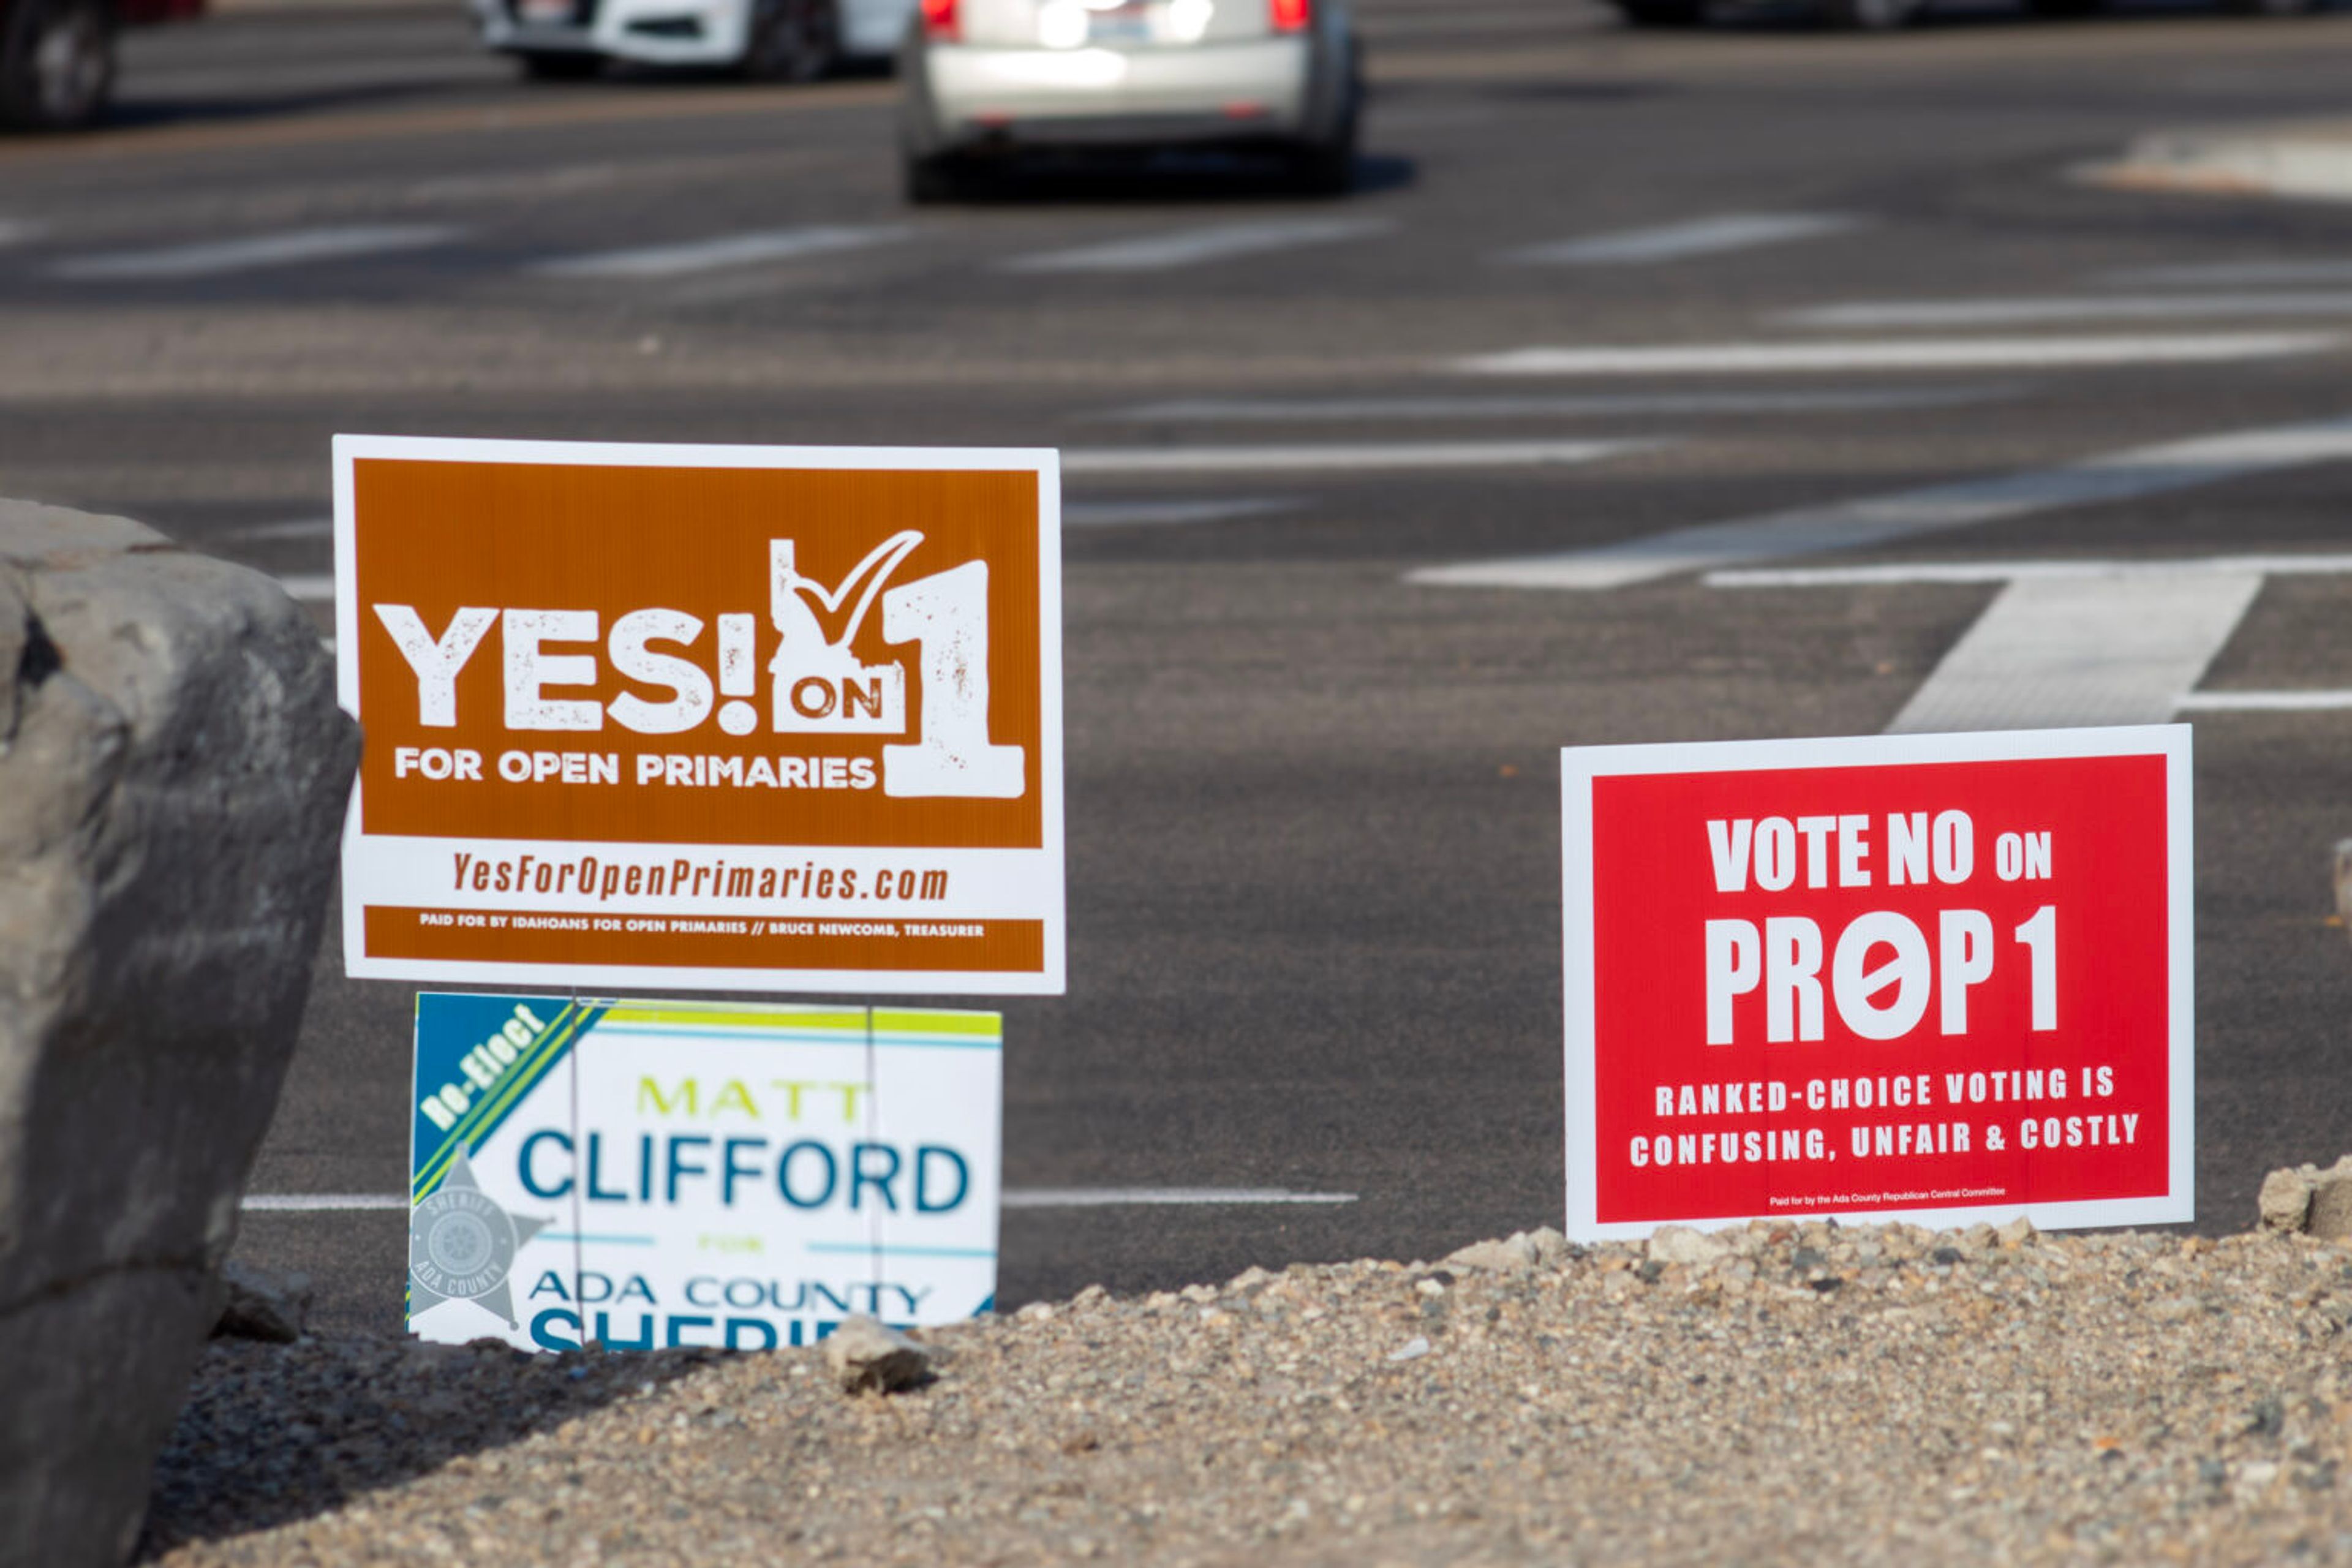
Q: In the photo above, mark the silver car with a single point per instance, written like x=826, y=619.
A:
x=987, y=78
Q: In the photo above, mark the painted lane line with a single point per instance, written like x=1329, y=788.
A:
x=1907, y=572
x=293, y=247
x=20, y=231
x=299, y=528
x=1345, y=458
x=1876, y=520
x=1146, y=514
x=2264, y=702
x=1336, y=410
x=1121, y=1197
x=1919, y=353
x=2056, y=651
x=719, y=252
x=2020, y=313
x=1194, y=247
x=1013, y=1198
x=2082, y=642
x=310, y=588
x=2233, y=275
x=1679, y=241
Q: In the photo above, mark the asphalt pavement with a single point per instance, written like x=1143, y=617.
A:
x=1367, y=498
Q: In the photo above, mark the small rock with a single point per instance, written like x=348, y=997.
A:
x=1250, y=1280
x=2018, y=1232
x=2331, y=1202
x=2285, y=1199
x=1412, y=1349
x=1551, y=1248
x=1517, y=1252
x=262, y=1305
x=1680, y=1243
x=1036, y=1312
x=863, y=1354
x=1199, y=1295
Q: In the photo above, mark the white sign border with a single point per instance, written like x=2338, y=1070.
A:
x=1580, y=766
x=1044, y=462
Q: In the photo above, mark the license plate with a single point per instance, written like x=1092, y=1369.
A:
x=1128, y=24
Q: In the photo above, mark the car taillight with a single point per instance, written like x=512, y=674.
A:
x=940, y=21
x=1293, y=16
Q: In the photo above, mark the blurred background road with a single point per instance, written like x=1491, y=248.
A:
x=1351, y=484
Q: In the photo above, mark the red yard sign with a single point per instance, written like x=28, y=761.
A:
x=1939, y=978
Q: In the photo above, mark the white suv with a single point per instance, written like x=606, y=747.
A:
x=773, y=40
x=985, y=78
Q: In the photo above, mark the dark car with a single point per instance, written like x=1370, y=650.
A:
x=57, y=57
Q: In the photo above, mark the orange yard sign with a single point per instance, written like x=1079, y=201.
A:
x=775, y=719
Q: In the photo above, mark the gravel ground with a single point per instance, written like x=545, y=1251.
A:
x=1782, y=1393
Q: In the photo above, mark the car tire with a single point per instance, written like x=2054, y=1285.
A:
x=793, y=41
x=57, y=63
x=1871, y=16
x=2270, y=7
x=930, y=182
x=2060, y=10
x=1663, y=13
x=561, y=65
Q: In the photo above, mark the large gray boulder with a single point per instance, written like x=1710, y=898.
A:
x=173, y=777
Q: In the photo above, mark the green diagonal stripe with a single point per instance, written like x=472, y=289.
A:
x=483, y=1119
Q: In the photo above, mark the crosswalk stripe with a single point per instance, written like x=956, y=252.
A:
x=1918, y=353
x=2056, y=651
x=2233, y=275
x=1335, y=410
x=719, y=251
x=1353, y=457
x=1144, y=513
x=2029, y=311
x=292, y=247
x=2265, y=701
x=1877, y=520
x=1679, y=241
x=1194, y=246
x=1899, y=572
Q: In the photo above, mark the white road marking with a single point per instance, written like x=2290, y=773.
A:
x=20, y=231
x=2056, y=651
x=310, y=588
x=292, y=247
x=1857, y=524
x=1013, y=1198
x=2082, y=642
x=1120, y=1197
x=2029, y=311
x=1679, y=241
x=1194, y=246
x=2234, y=275
x=1140, y=513
x=2264, y=702
x=1919, y=353
x=1341, y=458
x=1903, y=572
x=300, y=528
x=719, y=251
x=1334, y=410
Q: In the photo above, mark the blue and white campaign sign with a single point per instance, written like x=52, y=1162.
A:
x=653, y=1174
